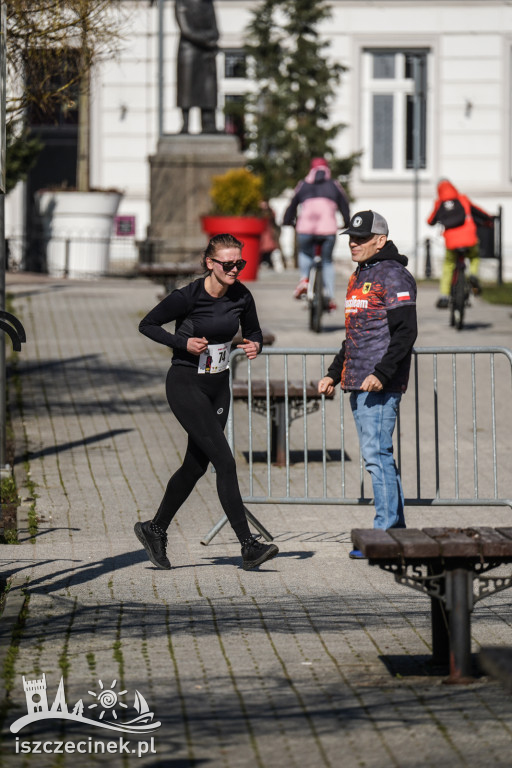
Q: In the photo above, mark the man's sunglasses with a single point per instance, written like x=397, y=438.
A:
x=227, y=266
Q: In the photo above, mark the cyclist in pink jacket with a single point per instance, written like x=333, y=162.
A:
x=317, y=198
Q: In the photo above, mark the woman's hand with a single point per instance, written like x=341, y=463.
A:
x=196, y=346
x=326, y=386
x=251, y=348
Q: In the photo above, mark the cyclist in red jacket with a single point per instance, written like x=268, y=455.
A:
x=459, y=217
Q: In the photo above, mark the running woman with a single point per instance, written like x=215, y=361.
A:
x=208, y=313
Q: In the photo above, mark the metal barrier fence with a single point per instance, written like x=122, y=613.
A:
x=453, y=441
x=80, y=254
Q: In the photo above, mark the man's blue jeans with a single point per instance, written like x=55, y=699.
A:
x=375, y=417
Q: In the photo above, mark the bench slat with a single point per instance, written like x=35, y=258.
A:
x=454, y=542
x=492, y=542
x=276, y=389
x=507, y=532
x=295, y=389
x=415, y=543
x=375, y=543
x=170, y=269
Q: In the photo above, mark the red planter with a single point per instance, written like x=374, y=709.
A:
x=248, y=230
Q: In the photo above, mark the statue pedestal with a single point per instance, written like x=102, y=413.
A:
x=181, y=176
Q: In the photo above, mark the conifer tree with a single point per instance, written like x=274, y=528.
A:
x=288, y=113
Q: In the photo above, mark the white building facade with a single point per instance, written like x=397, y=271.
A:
x=459, y=51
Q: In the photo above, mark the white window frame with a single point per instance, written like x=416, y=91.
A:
x=400, y=87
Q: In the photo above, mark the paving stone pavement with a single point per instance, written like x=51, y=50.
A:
x=312, y=660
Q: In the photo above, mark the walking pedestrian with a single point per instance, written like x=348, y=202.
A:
x=208, y=313
x=317, y=198
x=374, y=360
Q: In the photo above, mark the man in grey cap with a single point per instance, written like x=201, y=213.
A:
x=374, y=360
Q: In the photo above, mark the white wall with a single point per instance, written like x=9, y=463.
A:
x=469, y=103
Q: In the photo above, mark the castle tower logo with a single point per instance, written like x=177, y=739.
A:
x=106, y=704
x=35, y=691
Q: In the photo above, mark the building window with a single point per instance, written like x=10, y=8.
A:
x=234, y=63
x=392, y=82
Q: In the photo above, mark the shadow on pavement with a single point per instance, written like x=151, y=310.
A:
x=56, y=449
x=406, y=665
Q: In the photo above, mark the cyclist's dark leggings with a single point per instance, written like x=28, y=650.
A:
x=200, y=402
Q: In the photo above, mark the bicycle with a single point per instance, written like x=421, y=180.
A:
x=318, y=302
x=460, y=290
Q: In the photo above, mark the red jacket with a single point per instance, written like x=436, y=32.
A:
x=449, y=200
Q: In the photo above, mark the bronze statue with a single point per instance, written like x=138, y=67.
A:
x=197, y=74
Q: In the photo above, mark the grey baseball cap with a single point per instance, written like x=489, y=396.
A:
x=366, y=223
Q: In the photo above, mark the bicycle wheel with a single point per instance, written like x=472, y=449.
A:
x=316, y=301
x=458, y=299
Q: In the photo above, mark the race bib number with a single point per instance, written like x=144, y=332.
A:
x=215, y=359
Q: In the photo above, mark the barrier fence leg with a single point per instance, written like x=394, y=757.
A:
x=259, y=527
x=222, y=522
x=214, y=531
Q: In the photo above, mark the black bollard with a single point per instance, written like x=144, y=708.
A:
x=428, y=264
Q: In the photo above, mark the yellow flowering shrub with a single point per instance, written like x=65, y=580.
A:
x=237, y=193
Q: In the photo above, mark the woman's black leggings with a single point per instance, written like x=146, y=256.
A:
x=200, y=402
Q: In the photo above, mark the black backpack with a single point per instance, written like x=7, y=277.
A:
x=451, y=214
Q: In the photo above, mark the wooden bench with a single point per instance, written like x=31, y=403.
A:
x=280, y=393
x=169, y=274
x=447, y=564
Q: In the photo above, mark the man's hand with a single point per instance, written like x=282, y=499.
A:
x=196, y=346
x=251, y=348
x=371, y=384
x=326, y=386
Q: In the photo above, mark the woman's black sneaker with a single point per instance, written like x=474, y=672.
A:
x=255, y=553
x=154, y=541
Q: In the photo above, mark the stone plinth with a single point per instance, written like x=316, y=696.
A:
x=181, y=175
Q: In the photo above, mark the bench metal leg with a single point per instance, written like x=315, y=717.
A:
x=439, y=622
x=222, y=522
x=459, y=586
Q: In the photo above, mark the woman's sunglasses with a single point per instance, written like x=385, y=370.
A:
x=227, y=266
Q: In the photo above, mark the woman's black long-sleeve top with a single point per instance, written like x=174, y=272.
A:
x=198, y=314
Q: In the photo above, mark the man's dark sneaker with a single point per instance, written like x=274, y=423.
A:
x=255, y=553
x=443, y=302
x=356, y=554
x=475, y=285
x=154, y=540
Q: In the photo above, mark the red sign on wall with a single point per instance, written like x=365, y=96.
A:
x=125, y=226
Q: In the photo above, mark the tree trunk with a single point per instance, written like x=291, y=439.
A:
x=83, y=160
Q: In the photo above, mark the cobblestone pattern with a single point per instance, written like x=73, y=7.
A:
x=313, y=660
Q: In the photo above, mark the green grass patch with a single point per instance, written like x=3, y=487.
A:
x=498, y=294
x=8, y=672
x=8, y=491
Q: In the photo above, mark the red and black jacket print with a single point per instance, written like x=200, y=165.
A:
x=380, y=324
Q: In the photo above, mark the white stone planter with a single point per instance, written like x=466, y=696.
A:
x=77, y=228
